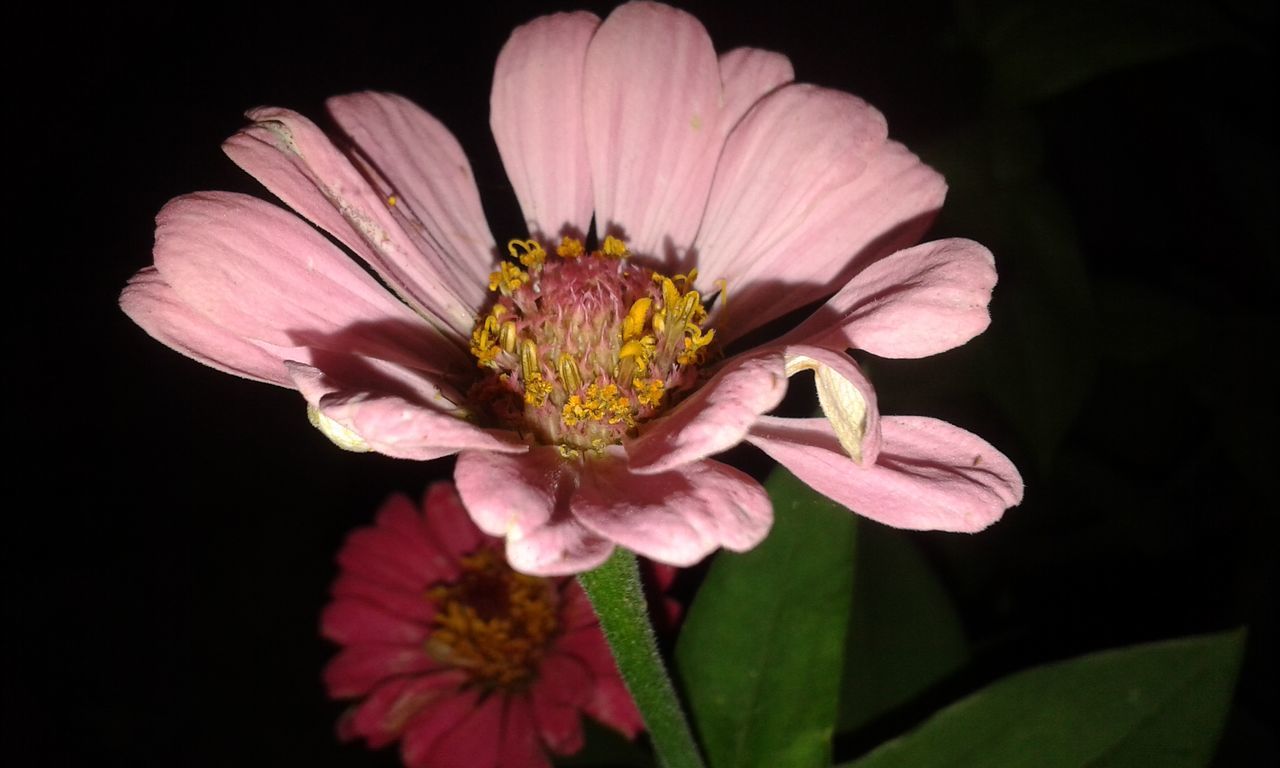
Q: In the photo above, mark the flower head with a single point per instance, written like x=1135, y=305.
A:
x=462, y=659
x=585, y=387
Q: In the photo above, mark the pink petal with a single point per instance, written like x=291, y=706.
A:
x=267, y=276
x=297, y=162
x=394, y=425
x=776, y=221
x=349, y=621
x=845, y=395
x=394, y=544
x=930, y=475
x=888, y=206
x=715, y=418
x=154, y=306
x=677, y=516
x=358, y=668
x=437, y=201
x=651, y=109
x=536, y=117
x=525, y=498
x=915, y=303
x=746, y=75
x=520, y=743
x=400, y=516
x=447, y=522
x=471, y=742
x=575, y=608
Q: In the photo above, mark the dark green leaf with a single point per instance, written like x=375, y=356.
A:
x=762, y=646
x=1158, y=704
x=904, y=633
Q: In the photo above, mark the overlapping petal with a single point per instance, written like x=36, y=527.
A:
x=915, y=303
x=652, y=112
x=930, y=475
x=715, y=418
x=537, y=122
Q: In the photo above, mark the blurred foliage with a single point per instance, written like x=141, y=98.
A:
x=1158, y=704
x=762, y=647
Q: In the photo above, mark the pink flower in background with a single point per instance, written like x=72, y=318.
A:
x=463, y=660
x=584, y=391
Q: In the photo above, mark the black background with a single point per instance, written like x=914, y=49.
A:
x=170, y=531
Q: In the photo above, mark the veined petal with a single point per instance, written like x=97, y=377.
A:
x=526, y=499
x=151, y=303
x=432, y=721
x=746, y=75
x=915, y=303
x=269, y=277
x=795, y=154
x=382, y=717
x=536, y=117
x=652, y=114
x=713, y=419
x=437, y=201
x=929, y=475
x=886, y=207
x=472, y=741
x=297, y=163
x=521, y=744
x=393, y=425
x=678, y=516
x=847, y=399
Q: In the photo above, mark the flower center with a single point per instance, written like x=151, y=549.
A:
x=493, y=622
x=581, y=348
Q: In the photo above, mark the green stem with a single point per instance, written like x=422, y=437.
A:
x=614, y=589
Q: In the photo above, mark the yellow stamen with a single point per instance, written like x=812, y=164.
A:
x=507, y=336
x=633, y=324
x=570, y=248
x=648, y=391
x=528, y=252
x=569, y=375
x=614, y=248
x=508, y=278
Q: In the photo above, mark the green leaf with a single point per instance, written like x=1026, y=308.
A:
x=1158, y=704
x=762, y=646
x=904, y=633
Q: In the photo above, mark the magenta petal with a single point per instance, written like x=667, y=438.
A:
x=436, y=195
x=471, y=742
x=777, y=219
x=715, y=418
x=521, y=745
x=651, y=109
x=915, y=303
x=430, y=722
x=154, y=306
x=610, y=702
x=268, y=276
x=525, y=498
x=447, y=522
x=536, y=116
x=348, y=621
x=563, y=687
x=358, y=668
x=382, y=717
x=677, y=516
x=746, y=75
x=293, y=158
x=930, y=475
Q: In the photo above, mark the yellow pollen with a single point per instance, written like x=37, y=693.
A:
x=648, y=391
x=570, y=248
x=391, y=201
x=493, y=622
x=508, y=278
x=614, y=248
x=536, y=390
x=528, y=252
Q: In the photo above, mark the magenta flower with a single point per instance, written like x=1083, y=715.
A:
x=585, y=392
x=461, y=658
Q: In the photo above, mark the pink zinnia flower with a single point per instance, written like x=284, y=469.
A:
x=464, y=660
x=585, y=393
